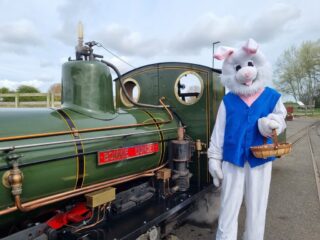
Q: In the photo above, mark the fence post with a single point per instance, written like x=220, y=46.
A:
x=16, y=100
x=48, y=99
x=52, y=99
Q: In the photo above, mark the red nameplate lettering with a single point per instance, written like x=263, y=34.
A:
x=120, y=154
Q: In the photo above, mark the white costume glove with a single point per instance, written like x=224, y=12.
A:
x=266, y=124
x=215, y=170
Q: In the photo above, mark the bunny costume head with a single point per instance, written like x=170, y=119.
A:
x=245, y=71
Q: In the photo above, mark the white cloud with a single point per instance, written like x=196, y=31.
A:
x=46, y=63
x=264, y=26
x=120, y=65
x=273, y=22
x=67, y=33
x=21, y=32
x=127, y=42
x=207, y=29
x=71, y=12
x=229, y=29
x=44, y=77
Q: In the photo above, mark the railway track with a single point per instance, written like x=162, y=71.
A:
x=311, y=132
x=296, y=137
x=313, y=147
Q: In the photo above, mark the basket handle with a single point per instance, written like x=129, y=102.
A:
x=275, y=139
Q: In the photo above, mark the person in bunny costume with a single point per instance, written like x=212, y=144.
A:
x=247, y=114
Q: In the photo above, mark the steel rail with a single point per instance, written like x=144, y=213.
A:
x=306, y=133
x=302, y=131
x=314, y=163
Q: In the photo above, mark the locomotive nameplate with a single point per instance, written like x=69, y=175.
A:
x=120, y=154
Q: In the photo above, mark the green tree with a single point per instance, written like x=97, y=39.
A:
x=298, y=72
x=29, y=89
x=5, y=90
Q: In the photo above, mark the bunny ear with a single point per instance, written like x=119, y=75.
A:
x=251, y=46
x=223, y=52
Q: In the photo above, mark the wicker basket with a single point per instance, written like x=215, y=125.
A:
x=271, y=150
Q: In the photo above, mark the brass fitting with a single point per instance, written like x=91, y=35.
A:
x=15, y=179
x=180, y=132
x=164, y=174
x=198, y=145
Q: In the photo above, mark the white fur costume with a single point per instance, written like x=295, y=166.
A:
x=244, y=72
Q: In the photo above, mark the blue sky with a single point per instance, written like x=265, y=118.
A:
x=36, y=36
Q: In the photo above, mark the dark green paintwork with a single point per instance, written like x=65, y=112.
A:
x=158, y=80
x=61, y=175
x=87, y=88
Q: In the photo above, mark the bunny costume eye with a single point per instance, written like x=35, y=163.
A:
x=250, y=64
x=238, y=67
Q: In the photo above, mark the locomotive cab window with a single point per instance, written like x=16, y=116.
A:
x=188, y=88
x=133, y=89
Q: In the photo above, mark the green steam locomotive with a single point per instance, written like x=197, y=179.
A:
x=115, y=149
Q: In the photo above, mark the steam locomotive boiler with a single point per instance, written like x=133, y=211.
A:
x=102, y=157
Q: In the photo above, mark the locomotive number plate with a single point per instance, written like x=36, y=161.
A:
x=119, y=154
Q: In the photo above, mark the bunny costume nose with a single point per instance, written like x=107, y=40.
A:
x=246, y=75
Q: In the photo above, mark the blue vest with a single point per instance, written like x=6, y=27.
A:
x=242, y=131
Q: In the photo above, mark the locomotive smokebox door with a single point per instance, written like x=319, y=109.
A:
x=180, y=155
